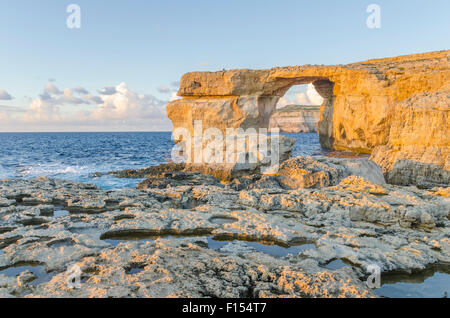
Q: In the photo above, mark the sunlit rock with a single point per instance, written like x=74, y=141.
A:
x=395, y=106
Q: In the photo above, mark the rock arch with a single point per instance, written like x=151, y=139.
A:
x=362, y=103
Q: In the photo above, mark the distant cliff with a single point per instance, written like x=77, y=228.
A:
x=295, y=119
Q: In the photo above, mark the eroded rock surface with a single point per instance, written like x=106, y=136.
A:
x=424, y=175
x=319, y=172
x=214, y=240
x=418, y=147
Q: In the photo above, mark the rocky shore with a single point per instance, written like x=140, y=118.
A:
x=269, y=227
x=311, y=230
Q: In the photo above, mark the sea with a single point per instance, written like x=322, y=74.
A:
x=77, y=156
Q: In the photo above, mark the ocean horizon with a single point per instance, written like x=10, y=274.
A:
x=77, y=156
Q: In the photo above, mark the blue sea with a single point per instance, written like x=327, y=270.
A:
x=76, y=156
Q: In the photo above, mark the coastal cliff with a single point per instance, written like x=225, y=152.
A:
x=396, y=108
x=295, y=119
x=312, y=228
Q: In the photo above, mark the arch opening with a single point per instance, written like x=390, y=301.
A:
x=305, y=111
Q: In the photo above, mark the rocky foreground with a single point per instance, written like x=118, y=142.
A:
x=311, y=230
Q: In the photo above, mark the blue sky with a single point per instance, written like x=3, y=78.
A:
x=141, y=47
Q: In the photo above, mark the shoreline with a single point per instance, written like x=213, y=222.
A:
x=198, y=237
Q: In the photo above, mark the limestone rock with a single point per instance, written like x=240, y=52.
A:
x=317, y=172
x=445, y=192
x=397, y=228
x=396, y=106
x=177, y=179
x=419, y=143
x=26, y=277
x=221, y=112
x=360, y=184
x=153, y=171
x=368, y=90
x=255, y=182
x=4, y=202
x=46, y=210
x=248, y=161
x=424, y=175
x=295, y=119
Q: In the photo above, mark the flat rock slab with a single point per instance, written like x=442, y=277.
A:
x=215, y=240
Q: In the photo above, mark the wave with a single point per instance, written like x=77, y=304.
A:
x=76, y=156
x=56, y=169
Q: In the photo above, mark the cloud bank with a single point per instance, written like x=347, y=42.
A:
x=296, y=97
x=4, y=95
x=170, y=90
x=115, y=108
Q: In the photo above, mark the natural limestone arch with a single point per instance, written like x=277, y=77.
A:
x=364, y=109
x=246, y=99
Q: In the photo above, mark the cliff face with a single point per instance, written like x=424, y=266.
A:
x=295, y=119
x=400, y=104
x=418, y=147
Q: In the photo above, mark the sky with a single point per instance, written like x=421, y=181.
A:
x=121, y=67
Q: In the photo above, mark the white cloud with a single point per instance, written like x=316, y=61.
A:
x=302, y=99
x=53, y=96
x=68, y=98
x=4, y=117
x=108, y=90
x=125, y=104
x=283, y=102
x=118, y=109
x=52, y=89
x=4, y=95
x=172, y=90
x=164, y=89
x=93, y=99
x=174, y=96
x=11, y=109
x=295, y=96
x=80, y=90
x=313, y=96
x=42, y=111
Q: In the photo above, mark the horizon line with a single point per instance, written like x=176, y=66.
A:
x=124, y=131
